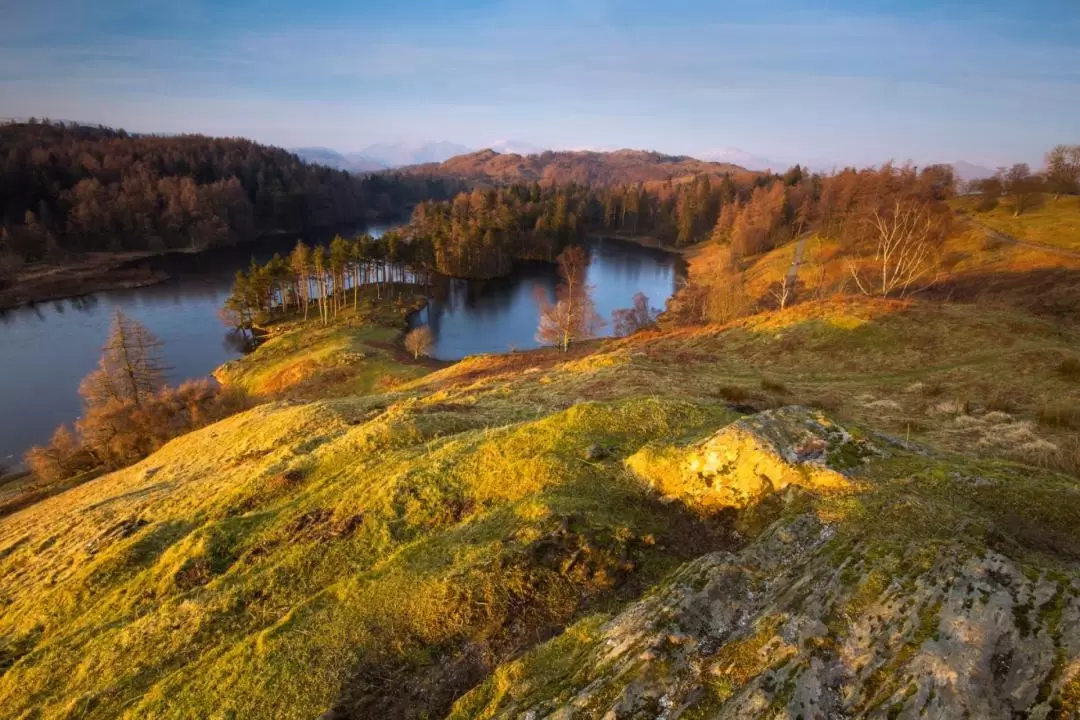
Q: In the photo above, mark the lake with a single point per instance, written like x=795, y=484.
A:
x=469, y=317
x=46, y=349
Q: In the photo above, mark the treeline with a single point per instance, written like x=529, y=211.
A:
x=325, y=279
x=481, y=233
x=1061, y=176
x=70, y=188
x=898, y=216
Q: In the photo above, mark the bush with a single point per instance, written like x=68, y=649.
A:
x=121, y=432
x=115, y=433
x=62, y=458
x=774, y=386
x=419, y=341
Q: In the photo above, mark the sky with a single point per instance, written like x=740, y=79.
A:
x=843, y=81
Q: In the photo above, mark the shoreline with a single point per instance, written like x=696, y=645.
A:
x=42, y=283
x=94, y=272
x=646, y=241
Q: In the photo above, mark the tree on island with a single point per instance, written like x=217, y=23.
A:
x=419, y=341
x=572, y=317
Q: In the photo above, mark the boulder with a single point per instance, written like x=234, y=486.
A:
x=754, y=457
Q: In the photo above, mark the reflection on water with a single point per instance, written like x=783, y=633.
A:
x=47, y=349
x=469, y=317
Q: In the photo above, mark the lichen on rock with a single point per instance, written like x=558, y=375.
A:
x=753, y=457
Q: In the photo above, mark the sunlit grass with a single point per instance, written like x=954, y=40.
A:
x=259, y=566
x=1051, y=221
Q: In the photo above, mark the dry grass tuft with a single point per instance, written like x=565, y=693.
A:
x=1060, y=414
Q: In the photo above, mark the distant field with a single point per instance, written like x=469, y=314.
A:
x=1052, y=222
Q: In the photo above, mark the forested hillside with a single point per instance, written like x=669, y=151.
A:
x=479, y=234
x=69, y=188
x=584, y=167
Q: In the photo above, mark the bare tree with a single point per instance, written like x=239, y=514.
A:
x=419, y=341
x=903, y=249
x=783, y=290
x=573, y=314
x=1063, y=169
x=1021, y=185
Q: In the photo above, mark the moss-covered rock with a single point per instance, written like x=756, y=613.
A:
x=753, y=457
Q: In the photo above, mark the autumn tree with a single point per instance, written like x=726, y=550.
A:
x=636, y=318
x=1021, y=185
x=419, y=341
x=572, y=317
x=131, y=367
x=1063, y=170
x=300, y=260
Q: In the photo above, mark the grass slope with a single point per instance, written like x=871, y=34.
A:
x=383, y=536
x=1054, y=222
x=383, y=553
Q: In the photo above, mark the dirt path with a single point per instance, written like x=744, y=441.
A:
x=793, y=271
x=1005, y=237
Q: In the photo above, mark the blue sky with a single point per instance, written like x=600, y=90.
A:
x=851, y=82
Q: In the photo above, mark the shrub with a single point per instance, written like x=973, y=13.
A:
x=121, y=432
x=115, y=433
x=774, y=386
x=62, y=458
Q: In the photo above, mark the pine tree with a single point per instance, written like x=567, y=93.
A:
x=131, y=367
x=300, y=260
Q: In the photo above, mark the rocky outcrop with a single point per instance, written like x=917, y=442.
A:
x=808, y=621
x=754, y=457
x=781, y=630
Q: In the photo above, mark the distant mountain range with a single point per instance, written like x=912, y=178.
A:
x=488, y=167
x=967, y=171
x=352, y=162
x=385, y=155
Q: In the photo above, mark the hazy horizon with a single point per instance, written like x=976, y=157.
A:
x=842, y=82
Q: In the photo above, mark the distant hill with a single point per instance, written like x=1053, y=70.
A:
x=968, y=171
x=68, y=189
x=350, y=162
x=594, y=168
x=399, y=154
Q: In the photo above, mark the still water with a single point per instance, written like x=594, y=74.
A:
x=469, y=317
x=46, y=349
